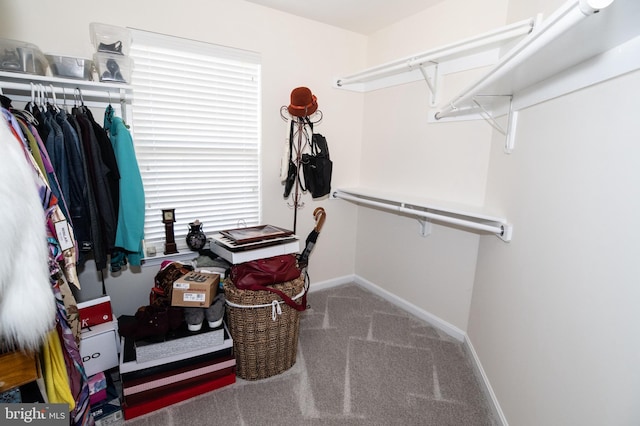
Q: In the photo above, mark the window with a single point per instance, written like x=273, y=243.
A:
x=196, y=129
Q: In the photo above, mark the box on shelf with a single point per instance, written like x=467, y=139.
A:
x=99, y=347
x=113, y=68
x=195, y=289
x=70, y=67
x=95, y=311
x=110, y=38
x=18, y=56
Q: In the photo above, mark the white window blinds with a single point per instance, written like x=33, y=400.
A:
x=196, y=128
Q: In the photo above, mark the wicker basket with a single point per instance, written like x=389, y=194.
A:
x=265, y=341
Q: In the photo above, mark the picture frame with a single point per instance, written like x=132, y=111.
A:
x=255, y=233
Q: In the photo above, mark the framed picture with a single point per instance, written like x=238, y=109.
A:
x=255, y=233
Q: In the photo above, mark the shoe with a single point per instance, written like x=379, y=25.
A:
x=115, y=47
x=150, y=321
x=11, y=60
x=194, y=318
x=113, y=71
x=175, y=315
x=215, y=312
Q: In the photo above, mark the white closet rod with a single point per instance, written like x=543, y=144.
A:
x=439, y=54
x=115, y=95
x=495, y=229
x=563, y=19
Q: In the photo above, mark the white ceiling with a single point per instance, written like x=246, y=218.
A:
x=361, y=16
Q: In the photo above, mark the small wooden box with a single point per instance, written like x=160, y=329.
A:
x=17, y=369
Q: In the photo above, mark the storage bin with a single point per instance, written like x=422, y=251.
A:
x=18, y=56
x=110, y=38
x=70, y=67
x=113, y=68
x=264, y=329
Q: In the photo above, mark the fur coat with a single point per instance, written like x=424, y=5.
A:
x=27, y=303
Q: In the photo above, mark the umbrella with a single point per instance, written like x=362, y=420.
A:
x=319, y=215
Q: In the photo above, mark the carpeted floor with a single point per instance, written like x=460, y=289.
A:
x=361, y=361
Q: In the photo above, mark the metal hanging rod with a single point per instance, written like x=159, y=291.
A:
x=67, y=90
x=477, y=222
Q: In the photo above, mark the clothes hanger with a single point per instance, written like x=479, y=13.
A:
x=64, y=100
x=56, y=108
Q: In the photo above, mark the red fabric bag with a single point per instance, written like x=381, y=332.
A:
x=260, y=274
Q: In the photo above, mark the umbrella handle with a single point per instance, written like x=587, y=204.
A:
x=319, y=214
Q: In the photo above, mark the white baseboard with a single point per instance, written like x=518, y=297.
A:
x=438, y=323
x=484, y=382
x=433, y=320
x=334, y=282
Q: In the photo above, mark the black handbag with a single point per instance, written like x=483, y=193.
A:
x=317, y=167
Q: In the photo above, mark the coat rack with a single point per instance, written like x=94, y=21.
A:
x=301, y=140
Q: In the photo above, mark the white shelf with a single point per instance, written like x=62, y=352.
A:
x=473, y=52
x=13, y=83
x=426, y=209
x=578, y=41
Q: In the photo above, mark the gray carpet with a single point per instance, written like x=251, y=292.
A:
x=361, y=361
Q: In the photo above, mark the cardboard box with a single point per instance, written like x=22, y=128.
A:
x=195, y=290
x=99, y=347
x=95, y=311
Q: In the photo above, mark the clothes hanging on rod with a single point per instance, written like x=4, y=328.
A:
x=41, y=263
x=103, y=178
x=131, y=210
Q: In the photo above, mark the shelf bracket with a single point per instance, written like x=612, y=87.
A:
x=512, y=119
x=425, y=227
x=432, y=81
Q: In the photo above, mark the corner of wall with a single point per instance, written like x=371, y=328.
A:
x=484, y=382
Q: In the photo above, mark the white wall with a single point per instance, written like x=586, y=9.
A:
x=295, y=52
x=554, y=315
x=403, y=153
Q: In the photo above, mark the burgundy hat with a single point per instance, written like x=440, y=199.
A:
x=303, y=102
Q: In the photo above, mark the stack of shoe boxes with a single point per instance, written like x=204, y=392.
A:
x=179, y=367
x=112, y=49
x=99, y=347
x=99, y=341
x=194, y=358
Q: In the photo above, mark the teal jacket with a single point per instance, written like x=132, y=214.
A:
x=130, y=229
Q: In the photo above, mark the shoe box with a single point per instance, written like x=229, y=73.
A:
x=95, y=311
x=108, y=412
x=195, y=290
x=99, y=347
